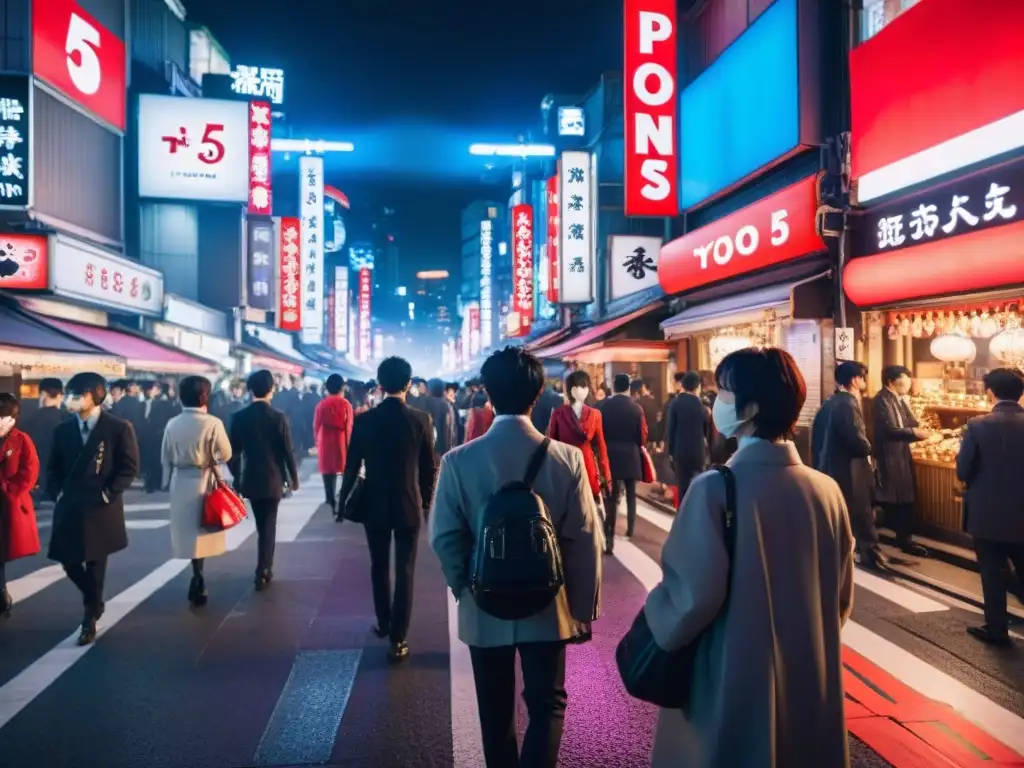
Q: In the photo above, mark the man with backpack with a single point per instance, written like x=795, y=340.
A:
x=517, y=532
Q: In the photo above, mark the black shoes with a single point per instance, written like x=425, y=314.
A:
x=398, y=652
x=381, y=631
x=913, y=549
x=197, y=595
x=263, y=579
x=92, y=615
x=990, y=636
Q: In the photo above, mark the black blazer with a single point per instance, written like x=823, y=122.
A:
x=840, y=448
x=41, y=426
x=541, y=415
x=261, y=452
x=88, y=483
x=442, y=417
x=625, y=432
x=687, y=429
x=396, y=443
x=894, y=470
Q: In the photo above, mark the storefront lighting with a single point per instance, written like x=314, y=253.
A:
x=1008, y=347
x=953, y=347
x=512, y=150
x=725, y=344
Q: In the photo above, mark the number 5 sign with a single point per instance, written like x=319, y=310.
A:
x=78, y=56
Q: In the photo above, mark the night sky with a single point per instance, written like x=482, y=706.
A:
x=468, y=68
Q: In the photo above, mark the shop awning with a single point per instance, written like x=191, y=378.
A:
x=140, y=354
x=39, y=350
x=265, y=357
x=547, y=339
x=623, y=351
x=594, y=333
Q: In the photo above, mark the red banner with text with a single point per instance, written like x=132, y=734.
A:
x=289, y=311
x=522, y=271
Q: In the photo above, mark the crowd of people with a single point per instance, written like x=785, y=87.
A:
x=757, y=568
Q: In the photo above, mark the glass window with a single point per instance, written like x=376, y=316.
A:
x=876, y=14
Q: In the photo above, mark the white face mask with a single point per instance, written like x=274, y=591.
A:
x=74, y=403
x=6, y=425
x=727, y=421
x=579, y=394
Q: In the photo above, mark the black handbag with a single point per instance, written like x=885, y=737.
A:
x=664, y=677
x=354, y=507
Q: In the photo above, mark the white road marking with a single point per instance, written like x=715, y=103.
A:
x=155, y=506
x=467, y=745
x=654, y=516
x=35, y=582
x=913, y=601
x=145, y=525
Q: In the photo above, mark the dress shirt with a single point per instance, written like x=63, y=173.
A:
x=86, y=426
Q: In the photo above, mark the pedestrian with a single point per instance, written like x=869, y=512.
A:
x=686, y=432
x=43, y=421
x=989, y=464
x=468, y=478
x=393, y=445
x=441, y=413
x=549, y=400
x=767, y=681
x=481, y=416
x=840, y=448
x=159, y=410
x=332, y=426
x=94, y=460
x=896, y=428
x=642, y=396
x=195, y=443
x=578, y=424
x=625, y=434
x=19, y=473
x=263, y=467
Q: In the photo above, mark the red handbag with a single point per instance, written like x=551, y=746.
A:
x=649, y=475
x=223, y=507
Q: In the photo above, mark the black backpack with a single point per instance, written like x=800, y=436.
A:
x=517, y=563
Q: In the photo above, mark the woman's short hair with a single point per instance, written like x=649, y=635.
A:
x=9, y=405
x=334, y=384
x=576, y=379
x=194, y=391
x=769, y=377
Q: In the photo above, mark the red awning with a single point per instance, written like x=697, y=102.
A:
x=275, y=364
x=140, y=354
x=594, y=333
x=547, y=339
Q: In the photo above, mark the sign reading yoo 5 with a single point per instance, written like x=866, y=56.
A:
x=78, y=56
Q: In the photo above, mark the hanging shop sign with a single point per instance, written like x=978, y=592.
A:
x=571, y=121
x=79, y=57
x=551, y=286
x=486, y=285
x=521, y=316
x=650, y=122
x=83, y=272
x=311, y=204
x=24, y=262
x=258, y=83
x=193, y=149
x=634, y=264
x=365, y=317
x=987, y=199
x=341, y=308
x=15, y=142
x=289, y=310
x=576, y=246
x=260, y=263
x=779, y=228
x=896, y=138
x=261, y=201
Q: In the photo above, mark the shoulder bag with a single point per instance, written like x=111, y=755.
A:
x=652, y=674
x=354, y=507
x=223, y=507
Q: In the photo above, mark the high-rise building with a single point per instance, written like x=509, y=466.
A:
x=484, y=228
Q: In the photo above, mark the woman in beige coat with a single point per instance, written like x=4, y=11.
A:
x=194, y=443
x=767, y=688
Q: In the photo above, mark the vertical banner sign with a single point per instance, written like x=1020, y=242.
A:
x=365, y=319
x=311, y=206
x=260, y=195
x=553, y=236
x=522, y=270
x=474, y=330
x=576, y=249
x=329, y=342
x=353, y=327
x=341, y=308
x=486, y=291
x=651, y=165
x=289, y=311
x=259, y=264
x=15, y=138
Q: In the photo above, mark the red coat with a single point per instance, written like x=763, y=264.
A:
x=332, y=426
x=587, y=434
x=19, y=472
x=480, y=420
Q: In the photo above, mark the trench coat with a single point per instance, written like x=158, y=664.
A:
x=587, y=434
x=767, y=687
x=894, y=432
x=332, y=427
x=19, y=472
x=840, y=448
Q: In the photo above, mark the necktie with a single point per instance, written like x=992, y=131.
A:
x=85, y=431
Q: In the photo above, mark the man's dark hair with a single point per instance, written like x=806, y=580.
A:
x=620, y=383
x=892, y=372
x=394, y=375
x=9, y=405
x=451, y=386
x=678, y=377
x=479, y=399
x=849, y=370
x=260, y=383
x=51, y=387
x=194, y=391
x=334, y=384
x=1005, y=383
x=435, y=388
x=636, y=386
x=769, y=377
x=88, y=383
x=513, y=380
x=690, y=381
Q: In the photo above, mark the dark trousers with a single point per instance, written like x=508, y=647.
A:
x=89, y=578
x=618, y=487
x=685, y=472
x=330, y=489
x=264, y=511
x=900, y=518
x=494, y=670
x=3, y=575
x=865, y=532
x=992, y=559
x=152, y=469
x=393, y=611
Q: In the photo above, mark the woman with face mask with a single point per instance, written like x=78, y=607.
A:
x=19, y=471
x=759, y=595
x=578, y=424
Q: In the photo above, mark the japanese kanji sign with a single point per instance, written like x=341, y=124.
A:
x=522, y=271
x=988, y=199
x=260, y=263
x=258, y=82
x=576, y=251
x=311, y=205
x=551, y=286
x=365, y=316
x=95, y=276
x=15, y=138
x=341, y=307
x=289, y=310
x=633, y=264
x=486, y=284
x=260, y=194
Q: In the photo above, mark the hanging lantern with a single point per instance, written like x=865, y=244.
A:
x=1008, y=346
x=953, y=347
x=726, y=344
x=989, y=325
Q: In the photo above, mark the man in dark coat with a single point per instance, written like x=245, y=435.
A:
x=840, y=448
x=686, y=432
x=43, y=421
x=549, y=400
x=989, y=463
x=441, y=413
x=625, y=434
x=895, y=429
x=94, y=460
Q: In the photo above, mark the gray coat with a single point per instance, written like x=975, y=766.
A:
x=840, y=448
x=894, y=432
x=469, y=476
x=768, y=677
x=989, y=462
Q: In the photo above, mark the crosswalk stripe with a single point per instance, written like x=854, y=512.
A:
x=24, y=587
x=467, y=746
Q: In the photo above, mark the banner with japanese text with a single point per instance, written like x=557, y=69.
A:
x=521, y=317
x=576, y=223
x=311, y=206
